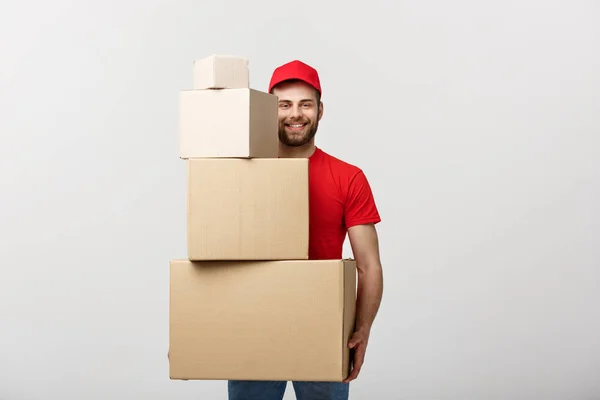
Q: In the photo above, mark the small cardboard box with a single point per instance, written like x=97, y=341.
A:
x=247, y=209
x=261, y=320
x=228, y=123
x=221, y=72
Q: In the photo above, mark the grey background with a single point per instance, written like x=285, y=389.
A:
x=477, y=124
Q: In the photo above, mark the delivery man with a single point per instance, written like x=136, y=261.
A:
x=341, y=203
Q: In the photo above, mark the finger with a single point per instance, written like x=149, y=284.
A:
x=359, y=358
x=359, y=355
x=353, y=342
x=357, y=362
x=353, y=375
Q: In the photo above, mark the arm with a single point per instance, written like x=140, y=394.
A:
x=365, y=247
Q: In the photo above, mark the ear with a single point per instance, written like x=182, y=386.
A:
x=320, y=110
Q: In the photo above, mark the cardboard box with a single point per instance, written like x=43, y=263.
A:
x=221, y=72
x=247, y=209
x=261, y=320
x=228, y=123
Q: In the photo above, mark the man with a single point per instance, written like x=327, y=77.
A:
x=341, y=202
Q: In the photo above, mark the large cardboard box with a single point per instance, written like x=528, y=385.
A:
x=221, y=72
x=247, y=209
x=261, y=320
x=228, y=123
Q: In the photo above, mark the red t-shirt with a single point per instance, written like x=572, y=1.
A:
x=339, y=197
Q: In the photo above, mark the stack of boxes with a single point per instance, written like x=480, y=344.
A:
x=247, y=303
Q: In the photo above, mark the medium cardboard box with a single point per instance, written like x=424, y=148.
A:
x=247, y=209
x=228, y=123
x=221, y=72
x=261, y=320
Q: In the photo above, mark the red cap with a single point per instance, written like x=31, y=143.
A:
x=296, y=70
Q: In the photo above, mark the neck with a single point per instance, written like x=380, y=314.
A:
x=304, y=151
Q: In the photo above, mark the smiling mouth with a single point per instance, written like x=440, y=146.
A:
x=295, y=127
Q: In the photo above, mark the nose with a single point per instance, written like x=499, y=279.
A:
x=296, y=111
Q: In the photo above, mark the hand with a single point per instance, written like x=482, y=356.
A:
x=358, y=342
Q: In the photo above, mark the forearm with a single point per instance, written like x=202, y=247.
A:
x=368, y=296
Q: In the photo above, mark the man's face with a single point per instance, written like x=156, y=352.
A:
x=299, y=112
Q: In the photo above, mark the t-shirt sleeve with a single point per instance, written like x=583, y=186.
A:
x=360, y=207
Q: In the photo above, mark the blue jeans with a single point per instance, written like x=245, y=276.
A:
x=274, y=390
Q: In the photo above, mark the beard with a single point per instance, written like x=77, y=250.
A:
x=297, y=138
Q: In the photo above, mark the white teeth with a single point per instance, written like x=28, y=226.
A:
x=296, y=126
